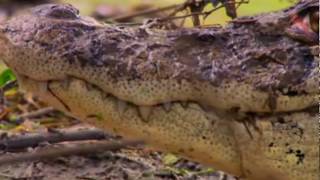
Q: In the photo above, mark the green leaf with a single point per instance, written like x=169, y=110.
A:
x=6, y=126
x=170, y=159
x=13, y=118
x=176, y=171
x=206, y=171
x=6, y=76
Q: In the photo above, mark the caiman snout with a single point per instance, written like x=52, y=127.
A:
x=239, y=98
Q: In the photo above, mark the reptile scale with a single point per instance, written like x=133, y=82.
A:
x=241, y=98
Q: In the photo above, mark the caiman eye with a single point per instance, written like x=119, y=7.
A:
x=61, y=11
x=308, y=21
x=305, y=26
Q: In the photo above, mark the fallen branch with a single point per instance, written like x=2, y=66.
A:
x=80, y=149
x=33, y=140
x=205, y=14
x=10, y=85
x=37, y=113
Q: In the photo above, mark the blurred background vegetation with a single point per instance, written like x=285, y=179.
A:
x=218, y=17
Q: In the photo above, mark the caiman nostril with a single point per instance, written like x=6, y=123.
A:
x=3, y=38
x=2, y=28
x=58, y=11
x=315, y=50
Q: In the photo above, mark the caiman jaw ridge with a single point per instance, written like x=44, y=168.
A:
x=143, y=122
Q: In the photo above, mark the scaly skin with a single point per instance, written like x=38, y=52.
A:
x=11, y=7
x=241, y=98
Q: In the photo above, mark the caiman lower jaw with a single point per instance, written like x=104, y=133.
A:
x=185, y=129
x=257, y=148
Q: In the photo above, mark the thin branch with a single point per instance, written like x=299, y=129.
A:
x=206, y=14
x=145, y=12
x=33, y=140
x=171, y=16
x=9, y=85
x=80, y=149
x=37, y=113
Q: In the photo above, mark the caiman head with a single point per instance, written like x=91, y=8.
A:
x=239, y=98
x=266, y=59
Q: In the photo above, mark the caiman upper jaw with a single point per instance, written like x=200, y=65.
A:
x=48, y=47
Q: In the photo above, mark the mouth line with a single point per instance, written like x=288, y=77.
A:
x=57, y=97
x=315, y=50
x=145, y=111
x=304, y=36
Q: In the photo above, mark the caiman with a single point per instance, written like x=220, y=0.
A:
x=241, y=98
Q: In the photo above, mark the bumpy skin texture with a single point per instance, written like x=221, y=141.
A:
x=240, y=98
x=249, y=67
x=11, y=7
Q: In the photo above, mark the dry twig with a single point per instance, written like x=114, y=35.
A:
x=37, y=113
x=33, y=140
x=143, y=13
x=80, y=149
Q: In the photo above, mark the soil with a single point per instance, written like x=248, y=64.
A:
x=131, y=164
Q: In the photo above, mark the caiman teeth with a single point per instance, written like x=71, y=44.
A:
x=145, y=112
x=43, y=86
x=2, y=28
x=315, y=50
x=167, y=106
x=66, y=83
x=89, y=86
x=184, y=104
x=122, y=106
x=105, y=95
x=285, y=90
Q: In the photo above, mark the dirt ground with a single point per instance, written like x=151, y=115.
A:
x=130, y=163
x=109, y=165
